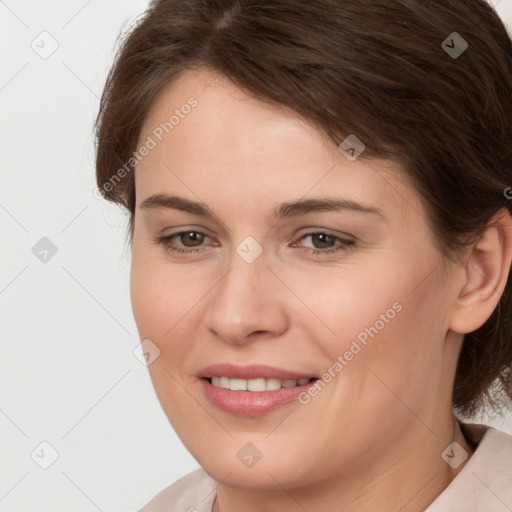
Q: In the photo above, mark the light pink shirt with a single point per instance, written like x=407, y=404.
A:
x=483, y=485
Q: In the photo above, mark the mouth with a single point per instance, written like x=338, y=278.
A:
x=259, y=384
x=252, y=390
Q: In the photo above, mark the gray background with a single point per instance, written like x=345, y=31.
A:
x=68, y=373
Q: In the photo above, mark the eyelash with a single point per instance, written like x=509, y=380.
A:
x=166, y=242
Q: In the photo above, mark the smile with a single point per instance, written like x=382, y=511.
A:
x=251, y=390
x=259, y=384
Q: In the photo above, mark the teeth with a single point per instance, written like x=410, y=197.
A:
x=238, y=384
x=259, y=384
x=273, y=384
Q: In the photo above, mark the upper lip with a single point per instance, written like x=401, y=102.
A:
x=252, y=371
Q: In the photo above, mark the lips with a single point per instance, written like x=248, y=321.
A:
x=239, y=390
x=253, y=371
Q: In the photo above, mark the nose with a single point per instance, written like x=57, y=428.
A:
x=247, y=304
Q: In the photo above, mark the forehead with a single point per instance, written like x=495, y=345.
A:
x=225, y=119
x=212, y=140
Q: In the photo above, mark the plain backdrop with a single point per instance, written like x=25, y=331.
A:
x=74, y=397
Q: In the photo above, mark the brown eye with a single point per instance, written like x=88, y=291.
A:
x=322, y=243
x=184, y=242
x=322, y=240
x=191, y=238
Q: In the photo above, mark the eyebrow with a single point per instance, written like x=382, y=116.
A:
x=285, y=210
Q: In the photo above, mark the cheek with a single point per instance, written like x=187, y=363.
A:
x=345, y=303
x=386, y=357
x=166, y=302
x=385, y=318
x=162, y=298
x=401, y=350
x=161, y=294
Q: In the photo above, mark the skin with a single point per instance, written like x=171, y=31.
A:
x=372, y=438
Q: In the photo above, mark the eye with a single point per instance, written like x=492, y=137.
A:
x=325, y=243
x=191, y=241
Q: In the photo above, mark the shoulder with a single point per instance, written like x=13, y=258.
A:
x=485, y=482
x=194, y=492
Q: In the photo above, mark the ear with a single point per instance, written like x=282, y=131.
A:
x=485, y=275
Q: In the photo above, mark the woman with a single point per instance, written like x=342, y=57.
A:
x=319, y=200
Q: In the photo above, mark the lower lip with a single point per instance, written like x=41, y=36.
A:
x=251, y=403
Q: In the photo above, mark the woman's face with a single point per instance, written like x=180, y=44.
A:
x=277, y=285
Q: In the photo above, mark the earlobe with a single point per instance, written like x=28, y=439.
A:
x=486, y=274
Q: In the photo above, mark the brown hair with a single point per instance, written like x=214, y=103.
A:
x=393, y=72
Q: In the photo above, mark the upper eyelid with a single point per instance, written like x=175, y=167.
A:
x=315, y=231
